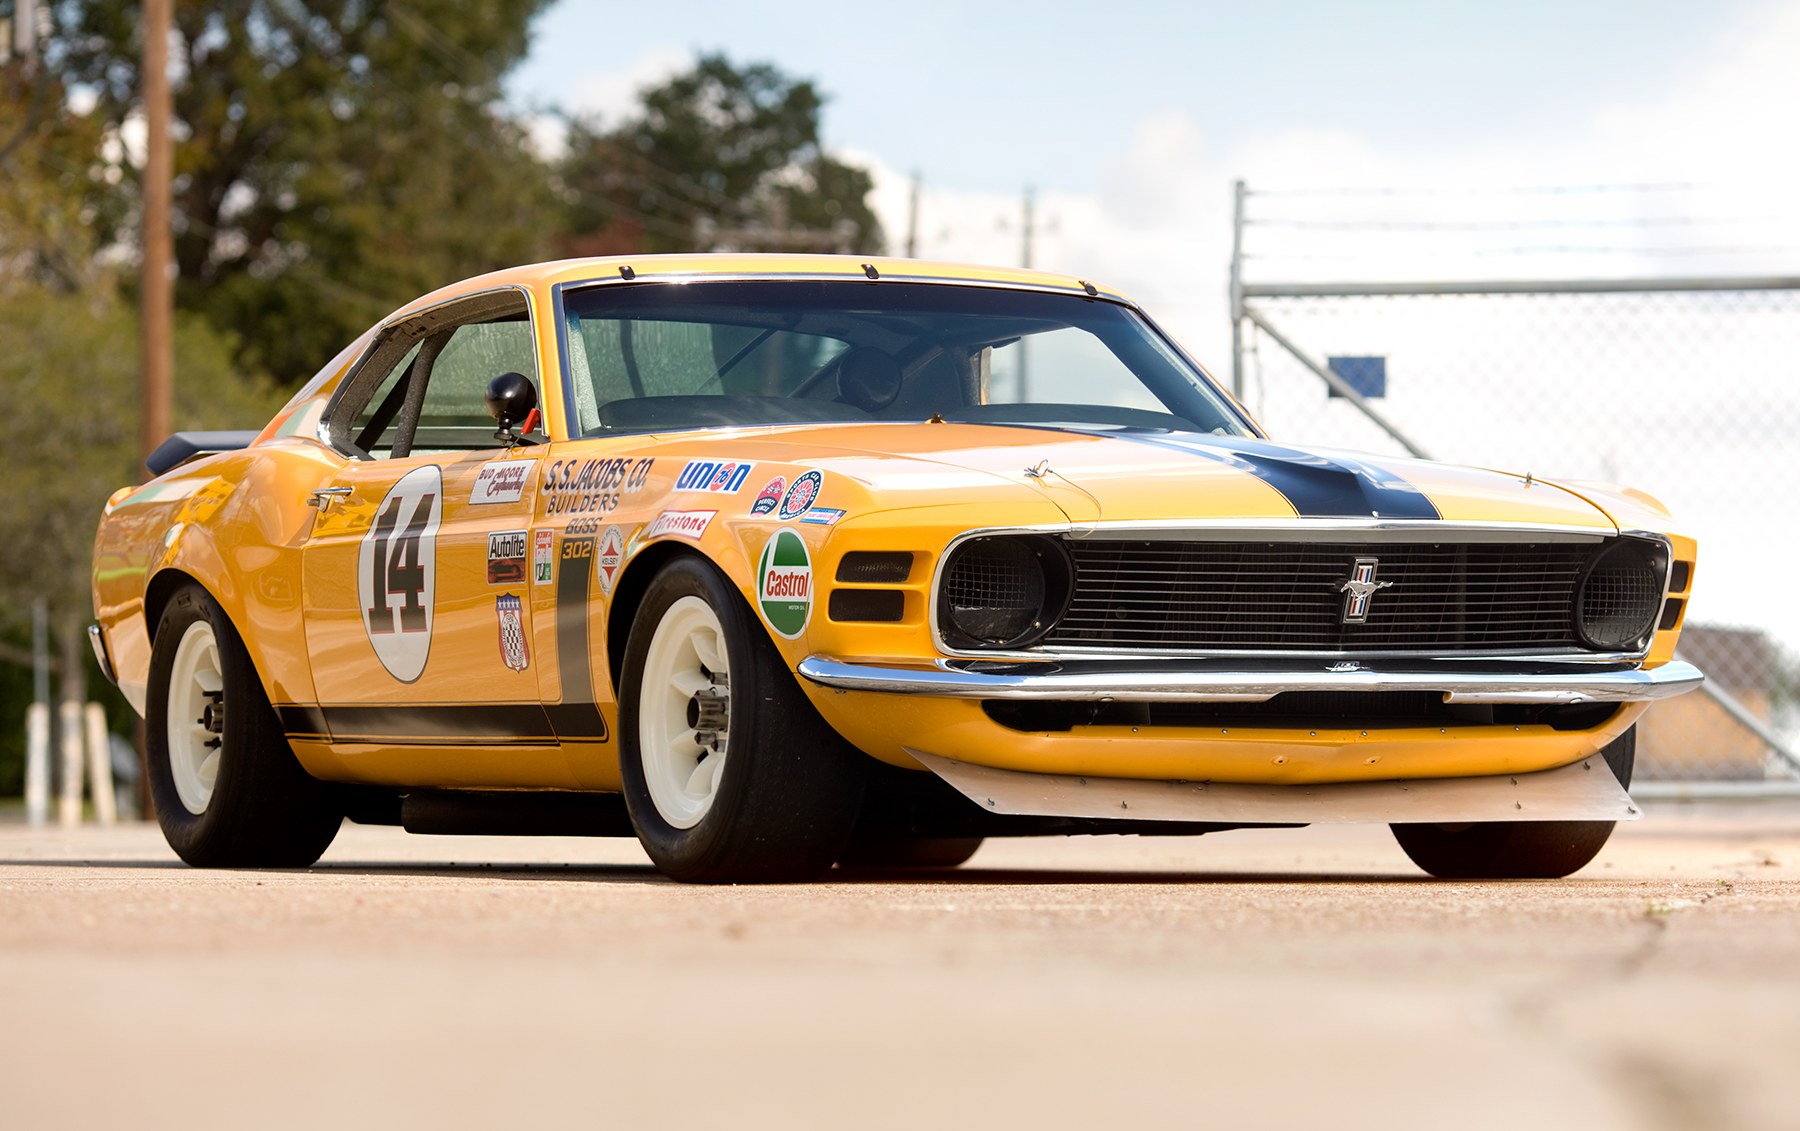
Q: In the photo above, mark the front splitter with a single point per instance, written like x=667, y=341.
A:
x=1582, y=791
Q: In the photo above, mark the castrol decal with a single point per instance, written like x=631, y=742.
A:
x=784, y=584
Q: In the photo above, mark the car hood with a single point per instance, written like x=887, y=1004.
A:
x=1120, y=475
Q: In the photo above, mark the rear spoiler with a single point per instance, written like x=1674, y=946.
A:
x=184, y=446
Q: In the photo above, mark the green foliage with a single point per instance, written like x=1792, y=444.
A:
x=719, y=157
x=337, y=158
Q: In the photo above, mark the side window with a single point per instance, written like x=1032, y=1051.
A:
x=454, y=414
x=373, y=427
x=423, y=387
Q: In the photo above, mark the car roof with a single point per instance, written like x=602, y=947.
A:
x=648, y=268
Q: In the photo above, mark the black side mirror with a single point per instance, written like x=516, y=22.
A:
x=511, y=399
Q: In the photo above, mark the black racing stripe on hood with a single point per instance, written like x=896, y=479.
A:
x=1318, y=486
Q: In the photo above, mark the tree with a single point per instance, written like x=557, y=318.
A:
x=335, y=158
x=719, y=157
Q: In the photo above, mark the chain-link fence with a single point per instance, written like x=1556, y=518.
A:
x=1692, y=395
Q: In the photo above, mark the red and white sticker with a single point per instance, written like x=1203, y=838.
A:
x=681, y=524
x=396, y=572
x=769, y=497
x=501, y=481
x=609, y=558
x=541, y=557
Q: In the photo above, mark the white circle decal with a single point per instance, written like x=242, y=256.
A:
x=396, y=572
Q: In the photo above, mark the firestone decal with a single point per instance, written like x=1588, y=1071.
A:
x=592, y=486
x=502, y=481
x=769, y=497
x=541, y=557
x=506, y=557
x=784, y=584
x=396, y=572
x=716, y=477
x=801, y=495
x=609, y=558
x=514, y=652
x=681, y=524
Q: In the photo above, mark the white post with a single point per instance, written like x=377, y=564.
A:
x=100, y=777
x=68, y=721
x=37, y=764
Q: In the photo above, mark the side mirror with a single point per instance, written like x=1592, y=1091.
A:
x=511, y=399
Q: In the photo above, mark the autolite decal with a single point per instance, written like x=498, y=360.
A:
x=716, y=477
x=784, y=584
x=681, y=524
x=506, y=557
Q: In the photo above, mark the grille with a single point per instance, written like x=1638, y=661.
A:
x=1180, y=596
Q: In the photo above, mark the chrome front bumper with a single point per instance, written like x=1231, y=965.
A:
x=1542, y=683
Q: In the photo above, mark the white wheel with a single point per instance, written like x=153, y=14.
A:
x=684, y=712
x=196, y=718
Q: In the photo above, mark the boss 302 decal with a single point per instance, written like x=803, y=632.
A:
x=396, y=572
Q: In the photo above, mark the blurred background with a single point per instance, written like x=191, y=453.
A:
x=1544, y=236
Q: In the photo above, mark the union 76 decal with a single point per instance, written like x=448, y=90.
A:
x=396, y=572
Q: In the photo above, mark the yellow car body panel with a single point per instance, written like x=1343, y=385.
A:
x=522, y=696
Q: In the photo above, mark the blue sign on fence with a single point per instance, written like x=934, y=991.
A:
x=1367, y=375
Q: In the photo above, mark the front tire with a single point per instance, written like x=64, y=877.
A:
x=729, y=773
x=1516, y=850
x=228, y=790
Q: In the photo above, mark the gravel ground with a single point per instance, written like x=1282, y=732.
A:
x=1272, y=978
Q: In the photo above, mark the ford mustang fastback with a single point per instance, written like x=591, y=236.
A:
x=780, y=563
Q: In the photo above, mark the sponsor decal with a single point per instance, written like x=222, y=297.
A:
x=822, y=516
x=575, y=716
x=396, y=572
x=769, y=497
x=506, y=557
x=784, y=584
x=501, y=481
x=592, y=486
x=681, y=524
x=800, y=496
x=514, y=652
x=609, y=558
x=716, y=477
x=541, y=557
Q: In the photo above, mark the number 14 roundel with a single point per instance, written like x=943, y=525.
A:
x=396, y=572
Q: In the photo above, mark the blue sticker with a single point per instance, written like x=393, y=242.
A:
x=822, y=516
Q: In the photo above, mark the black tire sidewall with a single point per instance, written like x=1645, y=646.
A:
x=187, y=832
x=703, y=842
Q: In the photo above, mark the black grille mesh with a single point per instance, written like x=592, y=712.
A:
x=1167, y=595
x=1620, y=597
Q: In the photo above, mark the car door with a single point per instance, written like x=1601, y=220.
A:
x=417, y=574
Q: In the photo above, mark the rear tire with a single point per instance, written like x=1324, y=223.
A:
x=730, y=775
x=1516, y=850
x=228, y=790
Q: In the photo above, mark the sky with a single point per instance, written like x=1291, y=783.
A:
x=1531, y=139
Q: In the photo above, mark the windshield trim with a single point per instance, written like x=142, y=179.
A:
x=559, y=291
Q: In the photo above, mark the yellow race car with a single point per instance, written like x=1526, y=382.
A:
x=785, y=562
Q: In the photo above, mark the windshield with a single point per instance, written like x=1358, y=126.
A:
x=663, y=357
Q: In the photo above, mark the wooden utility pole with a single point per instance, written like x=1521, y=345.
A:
x=158, y=282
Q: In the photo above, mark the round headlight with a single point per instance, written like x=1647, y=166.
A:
x=1617, y=603
x=1003, y=592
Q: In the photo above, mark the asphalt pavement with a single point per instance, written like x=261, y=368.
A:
x=1305, y=978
